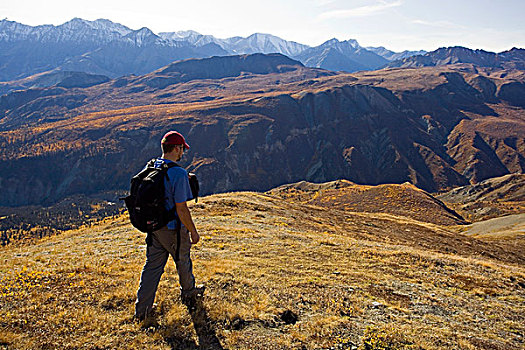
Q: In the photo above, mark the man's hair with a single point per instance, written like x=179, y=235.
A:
x=168, y=148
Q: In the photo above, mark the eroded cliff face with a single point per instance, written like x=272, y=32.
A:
x=357, y=132
x=435, y=128
x=369, y=135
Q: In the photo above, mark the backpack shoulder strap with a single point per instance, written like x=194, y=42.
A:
x=167, y=166
x=151, y=163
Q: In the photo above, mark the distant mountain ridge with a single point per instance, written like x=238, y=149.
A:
x=393, y=56
x=514, y=58
x=100, y=30
x=102, y=47
x=206, y=68
x=106, y=48
x=96, y=47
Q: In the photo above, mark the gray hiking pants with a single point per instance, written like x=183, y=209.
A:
x=164, y=244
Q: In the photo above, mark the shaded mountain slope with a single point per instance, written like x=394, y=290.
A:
x=219, y=68
x=436, y=127
x=511, y=59
x=278, y=274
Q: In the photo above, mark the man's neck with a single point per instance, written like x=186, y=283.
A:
x=170, y=156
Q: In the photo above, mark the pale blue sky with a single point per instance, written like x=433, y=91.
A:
x=396, y=24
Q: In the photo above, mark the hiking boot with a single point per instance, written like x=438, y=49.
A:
x=139, y=318
x=188, y=297
x=148, y=316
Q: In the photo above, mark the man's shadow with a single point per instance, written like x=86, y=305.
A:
x=203, y=327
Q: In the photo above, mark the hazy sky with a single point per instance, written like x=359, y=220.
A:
x=493, y=25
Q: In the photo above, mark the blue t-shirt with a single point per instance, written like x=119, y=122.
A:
x=177, y=187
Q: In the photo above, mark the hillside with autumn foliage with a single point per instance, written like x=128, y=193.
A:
x=263, y=120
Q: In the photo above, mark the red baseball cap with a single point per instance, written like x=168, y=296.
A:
x=174, y=138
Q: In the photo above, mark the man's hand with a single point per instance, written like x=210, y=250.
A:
x=194, y=235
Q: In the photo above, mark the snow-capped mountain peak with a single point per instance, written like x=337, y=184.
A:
x=188, y=35
x=84, y=44
x=99, y=24
x=191, y=37
x=102, y=29
x=266, y=43
x=353, y=43
x=75, y=30
x=143, y=37
x=12, y=31
x=330, y=42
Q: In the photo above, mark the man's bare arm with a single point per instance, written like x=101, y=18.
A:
x=185, y=217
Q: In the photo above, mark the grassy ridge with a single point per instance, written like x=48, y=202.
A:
x=280, y=275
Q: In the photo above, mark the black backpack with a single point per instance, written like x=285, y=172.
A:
x=146, y=201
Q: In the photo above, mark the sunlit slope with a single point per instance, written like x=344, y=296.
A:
x=490, y=198
x=509, y=226
x=401, y=200
x=281, y=274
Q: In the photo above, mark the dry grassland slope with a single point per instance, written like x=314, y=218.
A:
x=281, y=274
x=404, y=200
x=491, y=198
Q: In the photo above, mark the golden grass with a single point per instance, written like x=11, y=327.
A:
x=397, y=199
x=351, y=280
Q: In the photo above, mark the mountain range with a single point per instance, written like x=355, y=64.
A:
x=109, y=49
x=258, y=121
x=105, y=48
x=394, y=56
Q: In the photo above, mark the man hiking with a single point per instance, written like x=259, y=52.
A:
x=176, y=237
